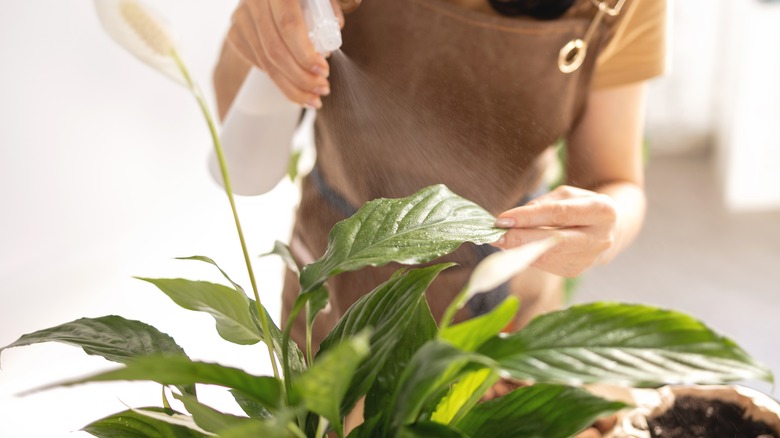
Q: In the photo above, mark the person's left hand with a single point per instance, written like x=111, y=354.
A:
x=582, y=220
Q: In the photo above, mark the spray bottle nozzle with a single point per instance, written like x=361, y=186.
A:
x=324, y=31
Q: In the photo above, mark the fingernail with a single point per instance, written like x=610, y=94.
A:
x=321, y=90
x=501, y=241
x=314, y=103
x=319, y=71
x=505, y=222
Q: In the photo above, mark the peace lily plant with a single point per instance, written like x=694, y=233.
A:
x=419, y=378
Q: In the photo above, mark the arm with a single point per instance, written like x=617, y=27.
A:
x=257, y=133
x=602, y=209
x=272, y=35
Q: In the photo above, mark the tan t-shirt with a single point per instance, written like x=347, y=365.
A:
x=636, y=53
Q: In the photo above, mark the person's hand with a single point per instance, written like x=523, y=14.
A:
x=272, y=35
x=583, y=221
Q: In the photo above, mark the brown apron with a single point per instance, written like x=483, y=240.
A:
x=426, y=92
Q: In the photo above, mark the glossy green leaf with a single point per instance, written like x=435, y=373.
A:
x=229, y=307
x=430, y=372
x=213, y=263
x=297, y=363
x=411, y=230
x=284, y=252
x=319, y=300
x=173, y=370
x=386, y=310
x=295, y=356
x=430, y=429
x=133, y=424
x=271, y=428
x=323, y=386
x=421, y=328
x=208, y=418
x=463, y=395
x=472, y=333
x=250, y=407
x=111, y=337
x=622, y=344
x=538, y=411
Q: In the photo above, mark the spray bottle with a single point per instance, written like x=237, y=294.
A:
x=258, y=129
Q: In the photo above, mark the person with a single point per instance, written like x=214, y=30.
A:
x=469, y=93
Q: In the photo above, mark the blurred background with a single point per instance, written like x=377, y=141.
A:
x=105, y=178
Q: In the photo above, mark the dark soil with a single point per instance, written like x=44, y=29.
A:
x=693, y=417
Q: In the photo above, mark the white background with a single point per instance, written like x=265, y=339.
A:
x=104, y=178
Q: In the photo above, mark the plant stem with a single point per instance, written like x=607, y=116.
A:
x=229, y=190
x=309, y=356
x=166, y=404
x=322, y=427
x=295, y=430
x=452, y=309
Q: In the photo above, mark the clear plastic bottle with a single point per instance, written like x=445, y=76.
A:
x=258, y=129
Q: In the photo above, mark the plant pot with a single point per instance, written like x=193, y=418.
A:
x=695, y=411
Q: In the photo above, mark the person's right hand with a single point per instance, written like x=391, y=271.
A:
x=272, y=35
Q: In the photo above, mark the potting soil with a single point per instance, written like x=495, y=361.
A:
x=693, y=417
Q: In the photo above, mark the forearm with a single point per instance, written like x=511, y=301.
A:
x=630, y=205
x=229, y=74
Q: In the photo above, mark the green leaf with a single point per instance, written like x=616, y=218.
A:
x=212, y=262
x=271, y=428
x=283, y=251
x=249, y=405
x=295, y=356
x=229, y=307
x=292, y=165
x=111, y=337
x=430, y=372
x=132, y=424
x=463, y=395
x=317, y=302
x=421, y=328
x=622, y=344
x=430, y=429
x=173, y=370
x=538, y=411
x=209, y=418
x=471, y=334
x=324, y=385
x=411, y=230
x=386, y=309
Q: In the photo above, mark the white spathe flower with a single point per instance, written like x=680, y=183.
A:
x=141, y=31
x=501, y=266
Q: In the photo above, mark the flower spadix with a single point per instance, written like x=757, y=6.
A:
x=142, y=32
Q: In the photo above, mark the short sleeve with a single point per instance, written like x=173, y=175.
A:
x=637, y=52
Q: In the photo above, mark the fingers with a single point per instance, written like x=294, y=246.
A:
x=336, y=4
x=562, y=192
x=561, y=212
x=290, y=25
x=577, y=249
x=583, y=222
x=272, y=35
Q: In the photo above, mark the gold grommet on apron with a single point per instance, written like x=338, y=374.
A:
x=573, y=53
